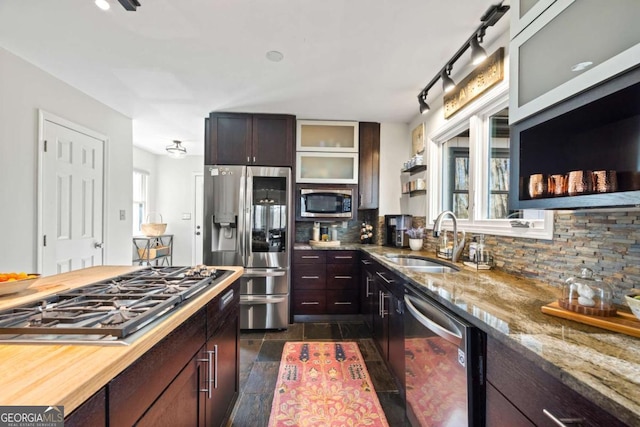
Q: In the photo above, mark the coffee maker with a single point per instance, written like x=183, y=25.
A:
x=395, y=227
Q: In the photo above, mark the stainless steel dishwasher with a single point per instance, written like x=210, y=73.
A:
x=444, y=365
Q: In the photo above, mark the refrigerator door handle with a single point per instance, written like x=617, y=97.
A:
x=242, y=222
x=246, y=212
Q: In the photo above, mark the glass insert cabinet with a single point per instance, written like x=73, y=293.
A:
x=327, y=152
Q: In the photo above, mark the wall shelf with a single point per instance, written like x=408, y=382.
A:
x=415, y=169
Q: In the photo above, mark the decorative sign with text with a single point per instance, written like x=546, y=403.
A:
x=484, y=77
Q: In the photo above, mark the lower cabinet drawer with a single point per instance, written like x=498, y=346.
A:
x=537, y=394
x=309, y=276
x=342, y=276
x=343, y=301
x=309, y=302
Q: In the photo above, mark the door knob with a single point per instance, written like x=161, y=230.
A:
x=98, y=245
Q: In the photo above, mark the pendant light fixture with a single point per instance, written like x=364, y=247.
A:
x=176, y=150
x=478, y=54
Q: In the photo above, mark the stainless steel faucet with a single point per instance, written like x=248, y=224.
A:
x=458, y=246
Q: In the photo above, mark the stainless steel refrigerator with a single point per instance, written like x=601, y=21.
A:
x=247, y=221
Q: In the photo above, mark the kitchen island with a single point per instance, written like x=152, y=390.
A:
x=70, y=374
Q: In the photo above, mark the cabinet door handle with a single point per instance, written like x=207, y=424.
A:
x=342, y=303
x=254, y=159
x=209, y=362
x=367, y=292
x=384, y=278
x=310, y=257
x=248, y=159
x=215, y=372
x=309, y=303
x=310, y=277
x=343, y=257
x=562, y=422
x=343, y=277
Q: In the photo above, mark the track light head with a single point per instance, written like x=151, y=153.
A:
x=478, y=54
x=447, y=83
x=424, y=107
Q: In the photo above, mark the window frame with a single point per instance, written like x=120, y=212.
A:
x=476, y=118
x=144, y=201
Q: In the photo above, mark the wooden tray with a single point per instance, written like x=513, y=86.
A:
x=623, y=322
x=321, y=244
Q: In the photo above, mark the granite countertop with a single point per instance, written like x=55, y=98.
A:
x=601, y=365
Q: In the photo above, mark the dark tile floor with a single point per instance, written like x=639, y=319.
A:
x=260, y=353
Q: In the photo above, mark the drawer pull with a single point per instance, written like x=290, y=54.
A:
x=562, y=422
x=342, y=303
x=310, y=277
x=310, y=257
x=381, y=275
x=309, y=303
x=366, y=261
x=343, y=277
x=343, y=257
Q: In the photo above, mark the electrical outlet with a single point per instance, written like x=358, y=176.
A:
x=123, y=215
x=186, y=215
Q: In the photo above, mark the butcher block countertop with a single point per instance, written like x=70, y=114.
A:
x=53, y=374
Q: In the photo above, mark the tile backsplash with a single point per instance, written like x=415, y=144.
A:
x=608, y=242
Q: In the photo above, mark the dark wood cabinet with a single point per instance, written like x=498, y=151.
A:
x=516, y=386
x=249, y=139
x=93, y=412
x=369, y=167
x=191, y=377
x=386, y=304
x=223, y=353
x=325, y=282
x=367, y=295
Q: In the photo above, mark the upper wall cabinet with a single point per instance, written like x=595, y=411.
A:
x=249, y=139
x=369, y=170
x=327, y=136
x=523, y=12
x=327, y=152
x=570, y=47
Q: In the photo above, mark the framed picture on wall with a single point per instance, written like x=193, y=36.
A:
x=417, y=137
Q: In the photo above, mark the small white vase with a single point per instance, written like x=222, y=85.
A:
x=415, y=244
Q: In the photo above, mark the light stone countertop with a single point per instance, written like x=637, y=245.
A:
x=601, y=365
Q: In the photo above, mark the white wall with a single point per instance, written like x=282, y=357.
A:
x=175, y=196
x=24, y=89
x=395, y=149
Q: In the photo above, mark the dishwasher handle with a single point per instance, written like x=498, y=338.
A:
x=454, y=337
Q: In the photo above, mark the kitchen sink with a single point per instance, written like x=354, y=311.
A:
x=420, y=263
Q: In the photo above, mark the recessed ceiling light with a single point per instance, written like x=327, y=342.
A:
x=581, y=66
x=102, y=4
x=274, y=56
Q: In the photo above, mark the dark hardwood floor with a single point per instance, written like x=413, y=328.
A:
x=260, y=353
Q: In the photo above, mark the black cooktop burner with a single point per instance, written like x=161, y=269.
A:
x=115, y=307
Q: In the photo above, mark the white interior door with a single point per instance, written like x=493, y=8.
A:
x=71, y=214
x=197, y=222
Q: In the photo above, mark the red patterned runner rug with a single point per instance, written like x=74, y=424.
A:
x=324, y=384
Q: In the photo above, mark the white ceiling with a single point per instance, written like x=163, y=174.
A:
x=171, y=62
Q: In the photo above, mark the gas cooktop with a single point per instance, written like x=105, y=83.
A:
x=109, y=311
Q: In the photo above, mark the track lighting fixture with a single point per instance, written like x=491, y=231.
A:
x=478, y=54
x=424, y=107
x=176, y=150
x=447, y=82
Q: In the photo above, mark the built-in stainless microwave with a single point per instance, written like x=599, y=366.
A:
x=325, y=202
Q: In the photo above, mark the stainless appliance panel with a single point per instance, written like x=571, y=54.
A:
x=224, y=188
x=258, y=281
x=264, y=311
x=443, y=353
x=268, y=217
